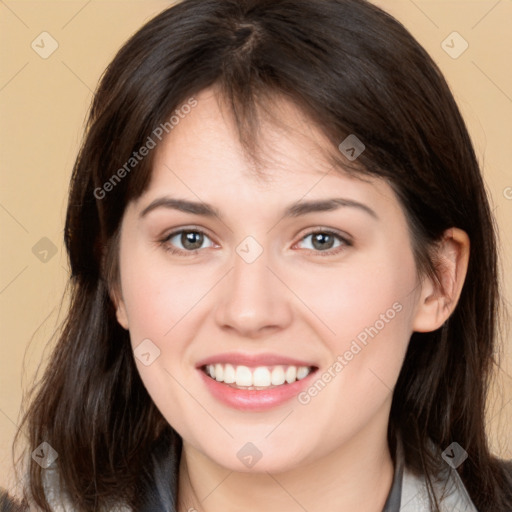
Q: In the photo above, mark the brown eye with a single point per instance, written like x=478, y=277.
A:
x=188, y=240
x=322, y=241
x=191, y=240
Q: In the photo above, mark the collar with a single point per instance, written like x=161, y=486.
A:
x=409, y=491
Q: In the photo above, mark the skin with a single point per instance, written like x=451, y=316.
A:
x=332, y=453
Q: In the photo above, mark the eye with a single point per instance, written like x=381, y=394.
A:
x=187, y=240
x=324, y=241
x=192, y=240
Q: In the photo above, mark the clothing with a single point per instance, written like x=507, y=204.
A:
x=408, y=492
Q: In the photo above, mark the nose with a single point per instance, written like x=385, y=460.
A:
x=253, y=302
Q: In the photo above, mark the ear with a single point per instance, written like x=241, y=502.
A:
x=117, y=299
x=439, y=297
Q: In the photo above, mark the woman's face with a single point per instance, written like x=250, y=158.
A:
x=304, y=276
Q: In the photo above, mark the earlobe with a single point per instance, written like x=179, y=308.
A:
x=120, y=308
x=121, y=316
x=439, y=296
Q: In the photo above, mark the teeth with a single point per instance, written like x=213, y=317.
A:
x=291, y=374
x=229, y=374
x=243, y=376
x=302, y=372
x=219, y=372
x=278, y=376
x=260, y=377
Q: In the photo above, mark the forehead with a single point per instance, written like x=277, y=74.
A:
x=281, y=132
x=202, y=157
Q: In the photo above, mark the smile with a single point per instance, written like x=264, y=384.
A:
x=258, y=378
x=255, y=383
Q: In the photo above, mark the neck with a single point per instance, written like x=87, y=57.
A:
x=356, y=476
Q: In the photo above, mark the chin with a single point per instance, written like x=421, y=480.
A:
x=254, y=457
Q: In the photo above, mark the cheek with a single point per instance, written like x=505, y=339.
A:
x=158, y=295
x=369, y=310
x=160, y=301
x=364, y=293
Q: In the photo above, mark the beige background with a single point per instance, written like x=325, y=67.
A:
x=43, y=103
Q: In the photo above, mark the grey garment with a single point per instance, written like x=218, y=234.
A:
x=449, y=490
x=409, y=491
x=395, y=494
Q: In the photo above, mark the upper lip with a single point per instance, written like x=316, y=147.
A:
x=252, y=360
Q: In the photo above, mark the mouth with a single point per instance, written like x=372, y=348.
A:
x=258, y=378
x=255, y=383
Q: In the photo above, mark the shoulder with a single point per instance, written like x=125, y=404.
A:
x=59, y=499
x=448, y=488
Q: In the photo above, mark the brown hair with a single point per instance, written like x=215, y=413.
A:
x=354, y=70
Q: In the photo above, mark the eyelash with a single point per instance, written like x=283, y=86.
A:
x=345, y=241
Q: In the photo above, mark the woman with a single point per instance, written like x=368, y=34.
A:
x=284, y=276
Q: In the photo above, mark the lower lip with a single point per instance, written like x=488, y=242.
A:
x=252, y=399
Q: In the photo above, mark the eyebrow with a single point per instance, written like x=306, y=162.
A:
x=294, y=210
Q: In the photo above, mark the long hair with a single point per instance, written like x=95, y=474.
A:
x=353, y=69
